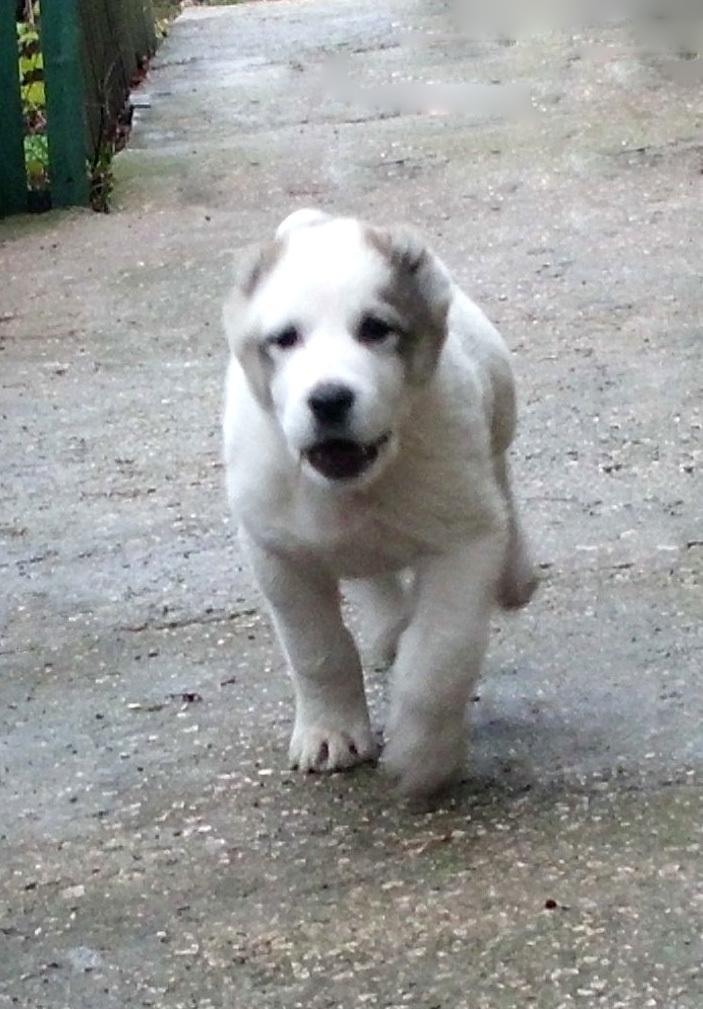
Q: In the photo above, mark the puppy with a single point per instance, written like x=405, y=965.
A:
x=369, y=408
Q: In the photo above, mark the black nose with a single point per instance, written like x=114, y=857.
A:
x=330, y=402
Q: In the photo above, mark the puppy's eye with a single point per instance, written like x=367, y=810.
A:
x=285, y=338
x=373, y=330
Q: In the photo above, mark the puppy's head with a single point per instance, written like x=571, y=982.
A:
x=335, y=323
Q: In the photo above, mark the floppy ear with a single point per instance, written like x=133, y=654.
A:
x=420, y=290
x=251, y=266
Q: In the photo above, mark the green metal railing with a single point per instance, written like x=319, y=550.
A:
x=91, y=52
x=13, y=182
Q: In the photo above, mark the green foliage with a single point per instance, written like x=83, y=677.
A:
x=31, y=63
x=36, y=157
x=165, y=11
x=31, y=71
x=101, y=177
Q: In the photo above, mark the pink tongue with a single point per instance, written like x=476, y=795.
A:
x=340, y=460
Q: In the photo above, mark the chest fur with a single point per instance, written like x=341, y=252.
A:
x=359, y=534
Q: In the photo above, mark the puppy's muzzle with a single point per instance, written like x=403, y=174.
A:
x=331, y=403
x=336, y=455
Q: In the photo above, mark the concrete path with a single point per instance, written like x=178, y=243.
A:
x=154, y=851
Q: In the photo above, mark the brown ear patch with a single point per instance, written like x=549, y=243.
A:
x=419, y=292
x=403, y=249
x=259, y=266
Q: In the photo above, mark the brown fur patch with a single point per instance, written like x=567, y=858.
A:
x=413, y=294
x=260, y=267
x=401, y=247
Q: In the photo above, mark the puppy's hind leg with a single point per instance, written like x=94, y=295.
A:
x=385, y=604
x=518, y=579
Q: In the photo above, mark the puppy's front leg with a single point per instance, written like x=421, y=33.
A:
x=332, y=728
x=438, y=664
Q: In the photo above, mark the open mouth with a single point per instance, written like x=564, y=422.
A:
x=341, y=459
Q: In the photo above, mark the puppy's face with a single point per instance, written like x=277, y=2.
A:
x=334, y=325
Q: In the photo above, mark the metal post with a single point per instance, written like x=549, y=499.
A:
x=65, y=97
x=13, y=176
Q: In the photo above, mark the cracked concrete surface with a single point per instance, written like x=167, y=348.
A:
x=154, y=850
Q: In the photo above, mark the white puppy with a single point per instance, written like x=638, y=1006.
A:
x=369, y=408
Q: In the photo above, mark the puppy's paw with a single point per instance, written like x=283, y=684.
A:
x=326, y=748
x=424, y=763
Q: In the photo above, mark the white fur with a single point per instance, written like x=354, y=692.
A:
x=428, y=532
